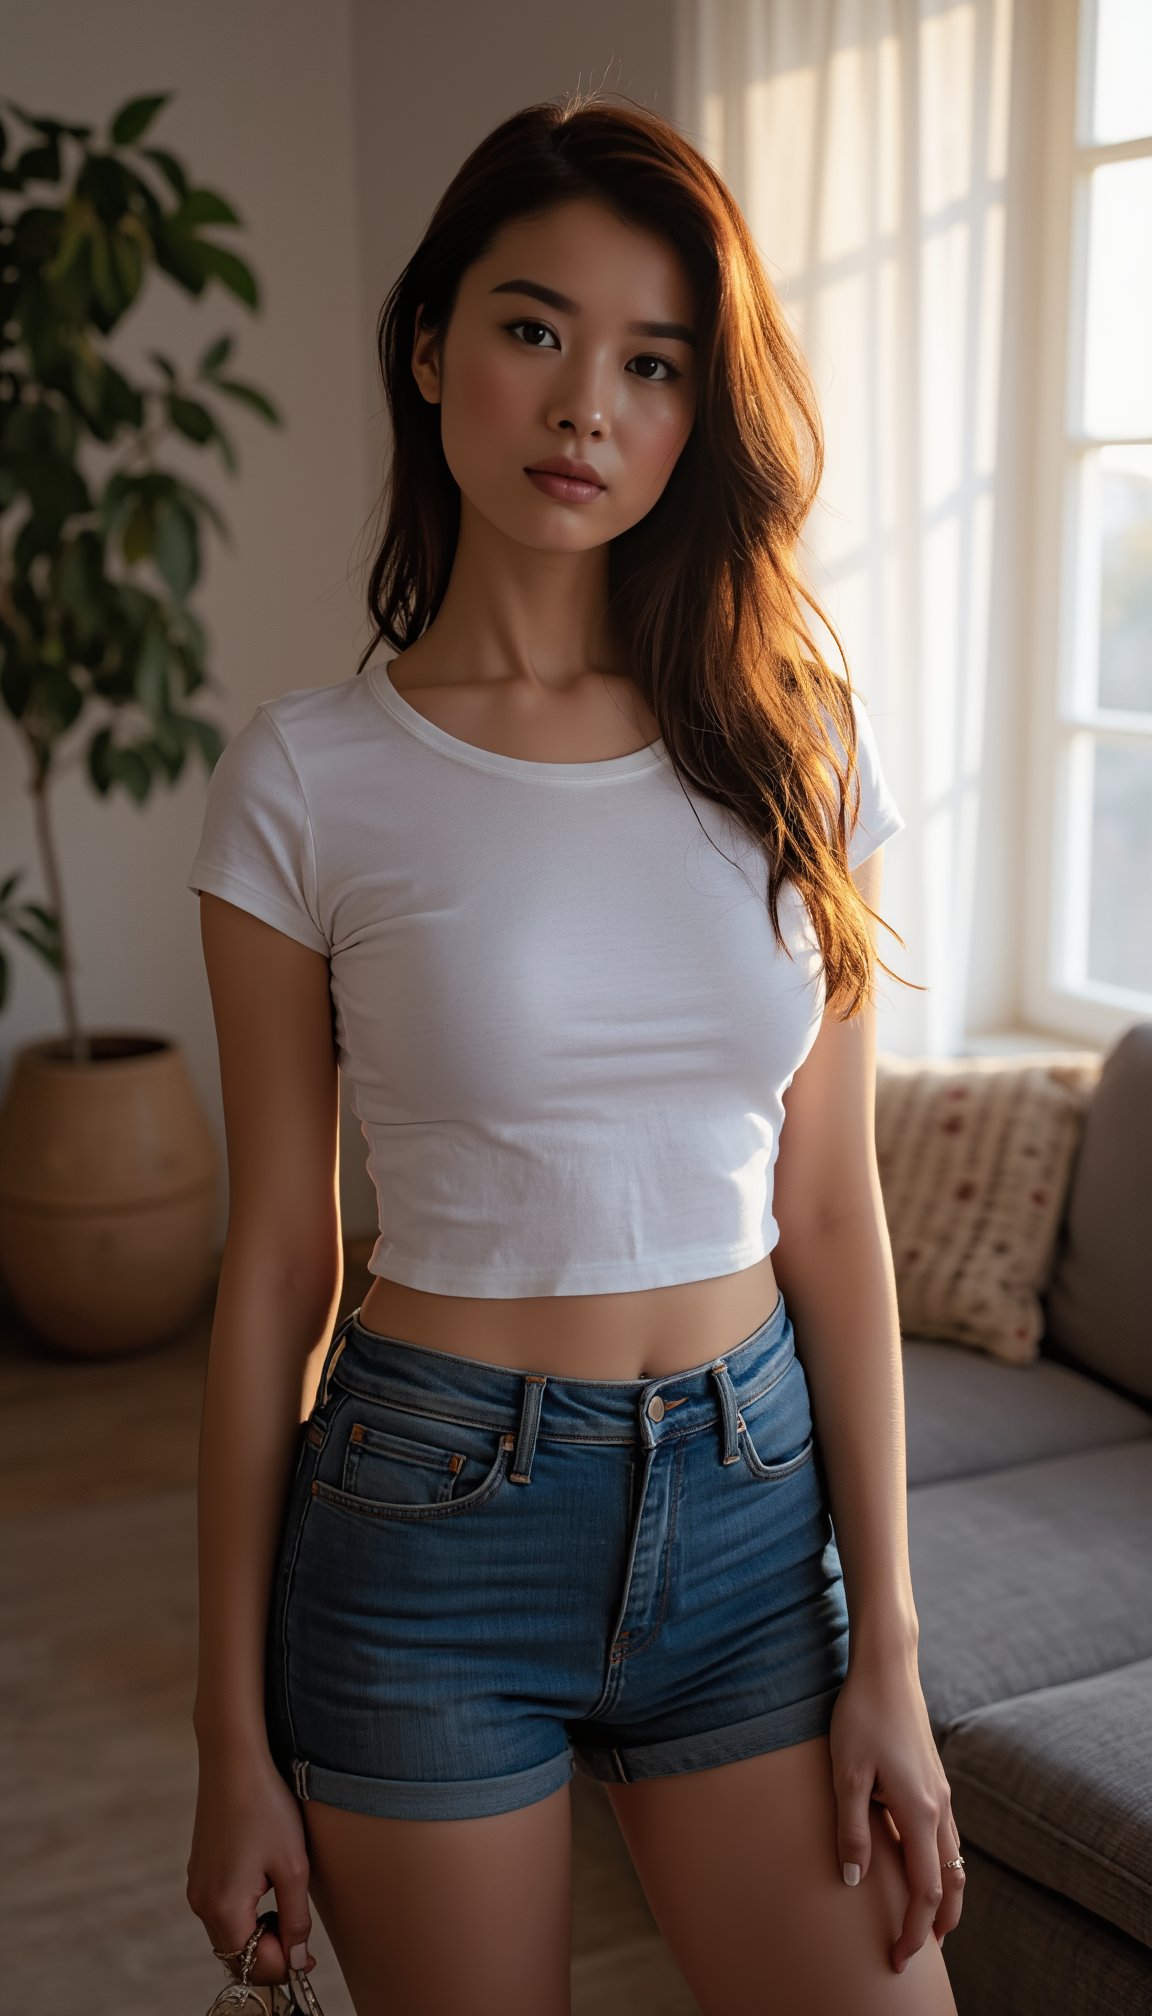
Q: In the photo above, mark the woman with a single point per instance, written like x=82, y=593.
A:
x=578, y=890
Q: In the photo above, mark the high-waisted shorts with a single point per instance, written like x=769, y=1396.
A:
x=489, y=1578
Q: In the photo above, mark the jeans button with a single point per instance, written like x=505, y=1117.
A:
x=656, y=1407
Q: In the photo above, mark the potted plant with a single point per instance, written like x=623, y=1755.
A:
x=108, y=1167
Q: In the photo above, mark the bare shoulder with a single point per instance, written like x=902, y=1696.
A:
x=279, y=1080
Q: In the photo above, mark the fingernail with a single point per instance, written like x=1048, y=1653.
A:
x=900, y=1966
x=298, y=1955
x=851, y=1872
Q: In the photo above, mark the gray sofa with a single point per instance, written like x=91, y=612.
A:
x=1030, y=1528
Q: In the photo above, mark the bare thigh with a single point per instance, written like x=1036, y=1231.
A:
x=430, y=1915
x=739, y=1865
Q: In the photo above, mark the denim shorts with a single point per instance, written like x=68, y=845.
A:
x=487, y=1579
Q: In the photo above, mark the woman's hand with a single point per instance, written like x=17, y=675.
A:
x=248, y=1834
x=883, y=1749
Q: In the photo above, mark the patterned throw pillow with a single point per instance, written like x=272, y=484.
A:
x=975, y=1157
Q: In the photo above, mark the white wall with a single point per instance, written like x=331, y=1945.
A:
x=333, y=130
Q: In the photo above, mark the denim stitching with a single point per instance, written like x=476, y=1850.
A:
x=450, y=1508
x=770, y=1472
x=750, y=1399
x=505, y=1426
x=432, y=1413
x=606, y=1700
x=426, y=1412
x=291, y=1576
x=394, y=1448
x=653, y=1632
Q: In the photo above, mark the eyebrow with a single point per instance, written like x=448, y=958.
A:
x=677, y=331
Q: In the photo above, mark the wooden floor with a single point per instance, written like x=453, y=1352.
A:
x=97, y=1674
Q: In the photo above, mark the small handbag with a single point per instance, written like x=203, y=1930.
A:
x=243, y=1998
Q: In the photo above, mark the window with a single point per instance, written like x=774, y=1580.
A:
x=1088, y=964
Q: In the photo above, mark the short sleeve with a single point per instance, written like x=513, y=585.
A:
x=880, y=816
x=256, y=844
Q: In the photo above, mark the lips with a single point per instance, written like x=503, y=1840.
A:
x=562, y=465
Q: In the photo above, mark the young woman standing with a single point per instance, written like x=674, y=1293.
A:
x=579, y=891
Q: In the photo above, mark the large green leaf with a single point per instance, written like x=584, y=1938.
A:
x=39, y=163
x=135, y=117
x=170, y=167
x=204, y=206
x=128, y=263
x=217, y=354
x=250, y=397
x=226, y=267
x=79, y=218
x=179, y=255
x=190, y=417
x=176, y=547
x=133, y=771
x=151, y=679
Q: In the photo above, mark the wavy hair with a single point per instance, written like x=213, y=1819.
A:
x=705, y=592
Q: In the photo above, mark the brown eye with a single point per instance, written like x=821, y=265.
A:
x=673, y=370
x=531, y=325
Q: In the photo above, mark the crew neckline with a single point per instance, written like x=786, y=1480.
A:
x=602, y=770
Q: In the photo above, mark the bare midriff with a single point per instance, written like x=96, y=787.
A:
x=642, y=1333
x=638, y=1333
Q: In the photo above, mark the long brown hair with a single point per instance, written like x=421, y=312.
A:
x=705, y=591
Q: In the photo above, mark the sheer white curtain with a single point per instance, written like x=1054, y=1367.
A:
x=881, y=151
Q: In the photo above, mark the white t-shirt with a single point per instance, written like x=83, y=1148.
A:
x=564, y=1019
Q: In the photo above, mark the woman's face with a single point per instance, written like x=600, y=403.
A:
x=521, y=379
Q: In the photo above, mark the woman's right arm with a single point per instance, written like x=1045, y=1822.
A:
x=280, y=1281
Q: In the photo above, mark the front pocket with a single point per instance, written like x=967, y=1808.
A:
x=766, y=1472
x=774, y=1430
x=401, y=1470
x=386, y=1474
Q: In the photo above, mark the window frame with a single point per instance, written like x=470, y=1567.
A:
x=1056, y=858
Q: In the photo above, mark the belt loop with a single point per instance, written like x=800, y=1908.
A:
x=521, y=1471
x=729, y=1411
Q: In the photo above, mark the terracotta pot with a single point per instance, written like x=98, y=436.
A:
x=108, y=1173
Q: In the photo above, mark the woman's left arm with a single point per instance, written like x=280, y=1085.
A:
x=833, y=1263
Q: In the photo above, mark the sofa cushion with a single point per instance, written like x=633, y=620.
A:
x=966, y=1413
x=1020, y=1949
x=974, y=1156
x=1031, y=1577
x=1057, y=1783
x=1100, y=1295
